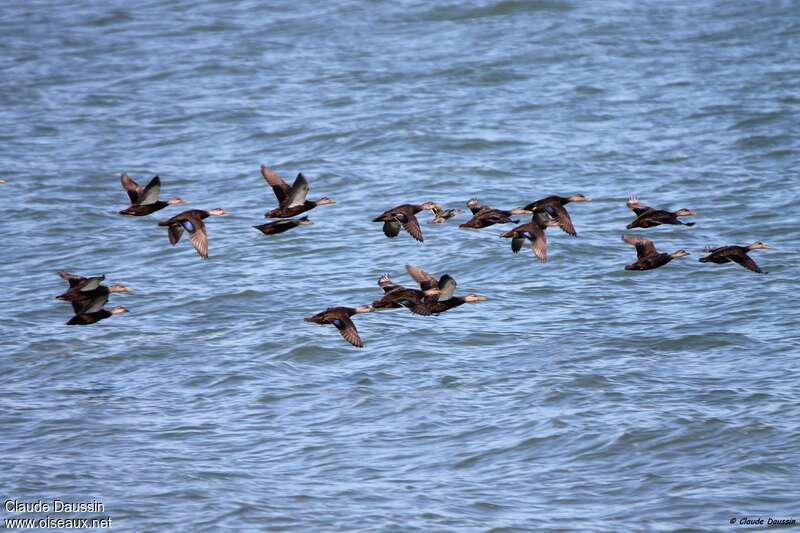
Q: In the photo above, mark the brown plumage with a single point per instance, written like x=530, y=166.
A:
x=484, y=216
x=737, y=254
x=291, y=200
x=192, y=221
x=90, y=301
x=647, y=257
x=442, y=215
x=554, y=206
x=444, y=300
x=648, y=217
x=403, y=216
x=144, y=200
x=80, y=282
x=340, y=318
x=279, y=226
x=534, y=232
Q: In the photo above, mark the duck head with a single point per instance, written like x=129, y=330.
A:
x=175, y=200
x=218, y=212
x=475, y=298
x=758, y=245
x=680, y=253
x=685, y=213
x=118, y=287
x=430, y=205
x=325, y=201
x=579, y=198
x=303, y=221
x=364, y=309
x=521, y=211
x=118, y=309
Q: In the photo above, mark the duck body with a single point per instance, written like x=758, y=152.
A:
x=403, y=216
x=553, y=206
x=92, y=300
x=443, y=300
x=339, y=317
x=192, y=222
x=443, y=215
x=647, y=257
x=86, y=319
x=399, y=296
x=144, y=200
x=736, y=254
x=291, y=200
x=656, y=217
x=139, y=210
x=534, y=232
x=279, y=226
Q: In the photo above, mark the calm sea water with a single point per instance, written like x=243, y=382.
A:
x=579, y=397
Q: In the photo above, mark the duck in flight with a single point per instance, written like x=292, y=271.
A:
x=340, y=318
x=554, y=206
x=85, y=319
x=647, y=257
x=444, y=301
x=648, y=217
x=279, y=226
x=192, y=222
x=443, y=215
x=291, y=200
x=484, y=216
x=404, y=216
x=737, y=254
x=144, y=200
x=534, y=232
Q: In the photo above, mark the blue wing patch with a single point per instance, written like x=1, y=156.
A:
x=188, y=226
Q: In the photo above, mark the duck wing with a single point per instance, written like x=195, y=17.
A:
x=539, y=243
x=347, y=329
x=199, y=236
x=644, y=247
x=279, y=186
x=91, y=306
x=174, y=231
x=411, y=225
x=564, y=221
x=151, y=192
x=298, y=192
x=132, y=188
x=746, y=261
x=447, y=286
x=421, y=277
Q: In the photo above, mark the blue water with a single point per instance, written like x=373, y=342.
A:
x=578, y=397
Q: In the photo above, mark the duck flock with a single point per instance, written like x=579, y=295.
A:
x=88, y=296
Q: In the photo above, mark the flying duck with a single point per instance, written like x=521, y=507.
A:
x=445, y=300
x=534, y=232
x=90, y=318
x=192, y=221
x=442, y=215
x=403, y=216
x=648, y=257
x=89, y=301
x=144, y=200
x=291, y=200
x=648, y=217
x=737, y=254
x=279, y=226
x=554, y=206
x=484, y=216
x=340, y=318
